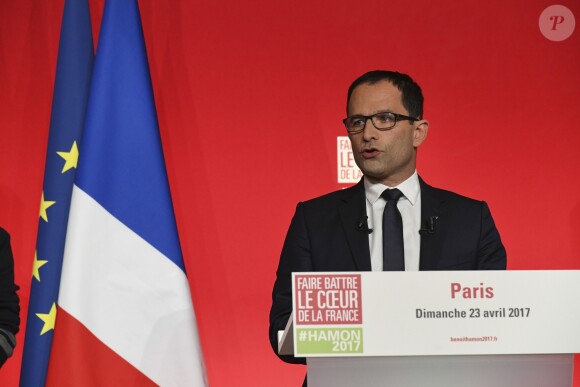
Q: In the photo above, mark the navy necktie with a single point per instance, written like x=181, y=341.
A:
x=393, y=246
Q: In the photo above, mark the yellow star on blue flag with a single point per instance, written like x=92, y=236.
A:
x=36, y=265
x=44, y=205
x=48, y=319
x=71, y=157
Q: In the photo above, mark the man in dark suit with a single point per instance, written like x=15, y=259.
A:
x=343, y=230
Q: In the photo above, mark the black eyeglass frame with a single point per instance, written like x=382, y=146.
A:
x=398, y=117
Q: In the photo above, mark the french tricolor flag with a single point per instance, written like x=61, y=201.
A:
x=125, y=316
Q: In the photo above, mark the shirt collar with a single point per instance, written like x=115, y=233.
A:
x=410, y=188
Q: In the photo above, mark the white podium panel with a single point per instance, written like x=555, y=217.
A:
x=472, y=328
x=436, y=313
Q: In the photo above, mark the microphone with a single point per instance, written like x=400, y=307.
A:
x=363, y=225
x=431, y=223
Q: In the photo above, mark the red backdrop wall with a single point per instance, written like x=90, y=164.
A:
x=250, y=95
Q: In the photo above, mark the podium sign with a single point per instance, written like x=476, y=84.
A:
x=436, y=313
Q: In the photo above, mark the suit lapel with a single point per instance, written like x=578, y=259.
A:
x=432, y=205
x=352, y=211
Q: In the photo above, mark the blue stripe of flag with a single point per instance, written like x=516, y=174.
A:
x=123, y=168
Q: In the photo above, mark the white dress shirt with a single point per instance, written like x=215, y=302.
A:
x=410, y=207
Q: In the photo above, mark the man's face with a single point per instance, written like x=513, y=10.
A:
x=384, y=156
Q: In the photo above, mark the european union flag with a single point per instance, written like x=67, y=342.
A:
x=71, y=90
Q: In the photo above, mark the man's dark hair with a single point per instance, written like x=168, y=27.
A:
x=411, y=92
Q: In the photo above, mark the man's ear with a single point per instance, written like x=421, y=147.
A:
x=420, y=132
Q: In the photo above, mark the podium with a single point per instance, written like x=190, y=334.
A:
x=478, y=328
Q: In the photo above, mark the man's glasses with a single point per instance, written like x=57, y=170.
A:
x=381, y=121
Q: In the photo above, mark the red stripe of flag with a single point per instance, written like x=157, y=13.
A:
x=79, y=358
